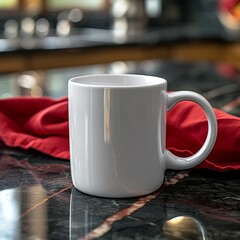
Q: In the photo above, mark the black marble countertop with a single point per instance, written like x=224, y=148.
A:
x=38, y=200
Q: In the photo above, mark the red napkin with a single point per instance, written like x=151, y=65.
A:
x=42, y=124
x=38, y=123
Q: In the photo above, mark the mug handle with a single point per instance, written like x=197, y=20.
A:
x=179, y=163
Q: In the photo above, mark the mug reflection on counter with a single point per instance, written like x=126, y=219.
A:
x=85, y=218
x=80, y=222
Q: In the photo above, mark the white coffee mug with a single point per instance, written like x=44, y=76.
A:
x=118, y=133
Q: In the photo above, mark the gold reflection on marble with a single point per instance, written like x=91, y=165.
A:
x=107, y=133
x=183, y=227
x=37, y=227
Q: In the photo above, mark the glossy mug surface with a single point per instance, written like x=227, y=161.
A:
x=118, y=133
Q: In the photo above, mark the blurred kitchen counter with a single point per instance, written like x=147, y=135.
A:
x=47, y=59
x=183, y=30
x=94, y=46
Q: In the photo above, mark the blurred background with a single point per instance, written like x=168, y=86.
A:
x=194, y=44
x=45, y=42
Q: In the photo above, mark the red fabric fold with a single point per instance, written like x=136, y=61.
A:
x=37, y=123
x=187, y=130
x=42, y=124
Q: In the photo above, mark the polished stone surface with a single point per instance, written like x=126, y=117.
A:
x=218, y=82
x=38, y=200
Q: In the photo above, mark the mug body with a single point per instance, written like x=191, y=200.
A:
x=117, y=134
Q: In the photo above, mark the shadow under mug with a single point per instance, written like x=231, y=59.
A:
x=118, y=133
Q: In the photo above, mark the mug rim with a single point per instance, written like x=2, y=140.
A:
x=150, y=81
